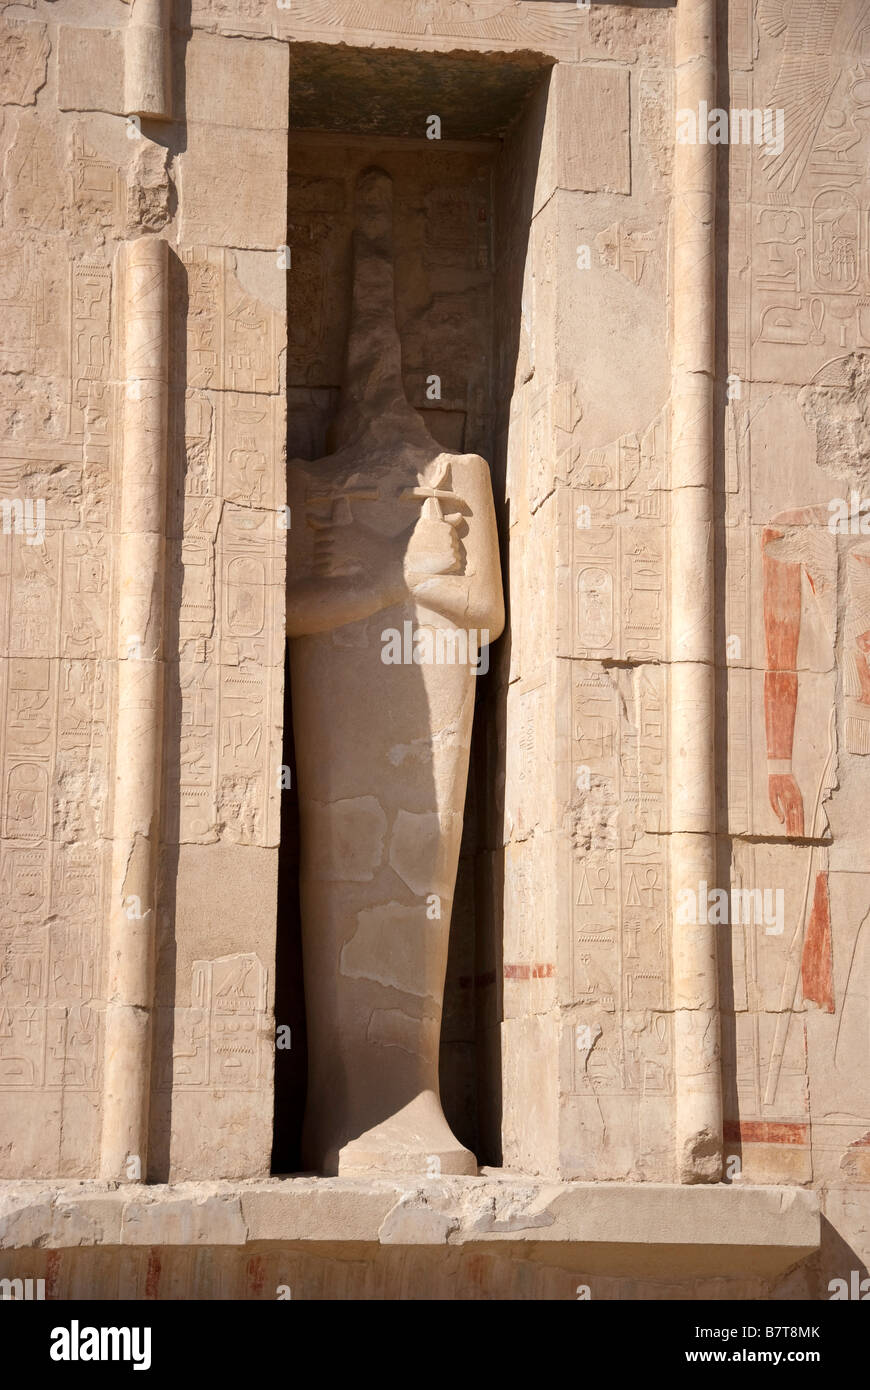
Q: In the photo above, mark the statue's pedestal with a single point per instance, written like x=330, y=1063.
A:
x=416, y=1141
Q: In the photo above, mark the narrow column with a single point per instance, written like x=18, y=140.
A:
x=138, y=752
x=692, y=671
x=147, y=61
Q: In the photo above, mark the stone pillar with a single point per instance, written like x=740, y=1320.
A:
x=587, y=1036
x=147, y=63
x=691, y=670
x=138, y=755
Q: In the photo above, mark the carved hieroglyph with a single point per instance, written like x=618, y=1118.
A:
x=393, y=585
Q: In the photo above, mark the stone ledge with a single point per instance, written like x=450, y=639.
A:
x=720, y=1229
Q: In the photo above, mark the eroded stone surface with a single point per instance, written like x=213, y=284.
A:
x=176, y=297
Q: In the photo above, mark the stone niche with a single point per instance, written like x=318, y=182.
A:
x=461, y=213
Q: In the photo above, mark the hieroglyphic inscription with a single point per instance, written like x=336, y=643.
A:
x=227, y=437
x=621, y=956
x=219, y=1041
x=612, y=535
x=809, y=255
x=56, y=684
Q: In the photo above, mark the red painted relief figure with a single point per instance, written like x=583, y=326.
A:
x=816, y=573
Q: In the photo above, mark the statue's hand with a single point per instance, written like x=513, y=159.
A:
x=355, y=572
x=433, y=548
x=347, y=549
x=787, y=802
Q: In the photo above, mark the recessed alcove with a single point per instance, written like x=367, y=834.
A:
x=462, y=210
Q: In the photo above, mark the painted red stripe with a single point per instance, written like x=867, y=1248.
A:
x=152, y=1274
x=530, y=971
x=816, y=967
x=766, y=1132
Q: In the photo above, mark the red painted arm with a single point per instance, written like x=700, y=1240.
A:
x=782, y=626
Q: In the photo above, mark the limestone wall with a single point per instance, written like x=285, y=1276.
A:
x=795, y=607
x=663, y=346
x=142, y=406
x=587, y=1036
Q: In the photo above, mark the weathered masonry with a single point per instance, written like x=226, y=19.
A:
x=514, y=246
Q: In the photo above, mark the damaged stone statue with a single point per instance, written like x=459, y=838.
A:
x=396, y=531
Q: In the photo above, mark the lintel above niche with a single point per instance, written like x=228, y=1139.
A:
x=386, y=91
